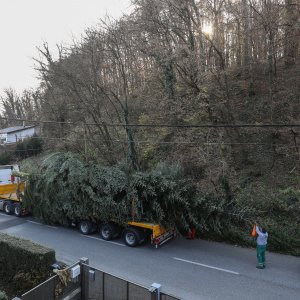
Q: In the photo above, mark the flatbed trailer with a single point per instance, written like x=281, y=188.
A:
x=11, y=198
x=132, y=234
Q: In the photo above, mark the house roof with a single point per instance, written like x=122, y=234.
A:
x=14, y=129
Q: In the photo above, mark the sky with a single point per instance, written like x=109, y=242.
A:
x=27, y=24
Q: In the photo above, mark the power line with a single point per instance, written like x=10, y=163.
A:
x=18, y=150
x=200, y=143
x=160, y=125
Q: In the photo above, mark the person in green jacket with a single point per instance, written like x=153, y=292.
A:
x=261, y=241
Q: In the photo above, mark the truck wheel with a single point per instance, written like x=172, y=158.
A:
x=18, y=210
x=7, y=208
x=108, y=231
x=85, y=227
x=131, y=237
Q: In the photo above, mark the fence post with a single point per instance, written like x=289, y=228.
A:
x=155, y=290
x=84, y=278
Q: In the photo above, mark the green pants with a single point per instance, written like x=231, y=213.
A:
x=261, y=255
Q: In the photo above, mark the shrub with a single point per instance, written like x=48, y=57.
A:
x=34, y=146
x=24, y=264
x=3, y=296
x=278, y=211
x=29, y=147
x=5, y=159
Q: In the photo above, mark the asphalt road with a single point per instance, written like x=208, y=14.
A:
x=191, y=270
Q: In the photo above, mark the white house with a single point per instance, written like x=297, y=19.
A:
x=15, y=134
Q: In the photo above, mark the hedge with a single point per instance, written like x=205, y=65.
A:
x=24, y=264
x=3, y=296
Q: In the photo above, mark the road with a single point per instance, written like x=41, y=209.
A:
x=191, y=270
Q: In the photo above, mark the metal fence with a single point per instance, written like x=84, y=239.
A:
x=88, y=283
x=55, y=289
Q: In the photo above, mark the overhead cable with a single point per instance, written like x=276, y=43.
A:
x=257, y=125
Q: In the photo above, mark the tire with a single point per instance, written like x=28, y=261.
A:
x=7, y=207
x=108, y=231
x=18, y=210
x=131, y=237
x=85, y=227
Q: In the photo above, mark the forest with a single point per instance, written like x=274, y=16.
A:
x=210, y=88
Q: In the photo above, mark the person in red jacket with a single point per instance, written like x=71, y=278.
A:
x=191, y=233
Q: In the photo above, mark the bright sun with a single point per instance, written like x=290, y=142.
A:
x=207, y=29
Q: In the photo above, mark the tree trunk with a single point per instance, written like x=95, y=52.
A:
x=291, y=34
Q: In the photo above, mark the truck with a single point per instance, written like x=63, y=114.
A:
x=11, y=195
x=6, y=173
x=132, y=233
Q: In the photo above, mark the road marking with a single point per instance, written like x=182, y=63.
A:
x=33, y=222
x=3, y=214
x=101, y=240
x=53, y=227
x=206, y=266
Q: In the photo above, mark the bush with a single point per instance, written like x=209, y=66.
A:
x=24, y=264
x=34, y=146
x=29, y=147
x=277, y=210
x=5, y=159
x=3, y=296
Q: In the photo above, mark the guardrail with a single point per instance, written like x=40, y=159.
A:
x=83, y=282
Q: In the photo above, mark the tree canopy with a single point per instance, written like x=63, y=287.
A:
x=207, y=85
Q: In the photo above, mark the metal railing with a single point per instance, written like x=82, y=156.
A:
x=87, y=283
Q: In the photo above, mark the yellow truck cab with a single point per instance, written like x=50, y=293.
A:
x=11, y=190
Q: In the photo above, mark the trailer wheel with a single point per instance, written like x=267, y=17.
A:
x=7, y=208
x=108, y=231
x=131, y=237
x=18, y=210
x=85, y=227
